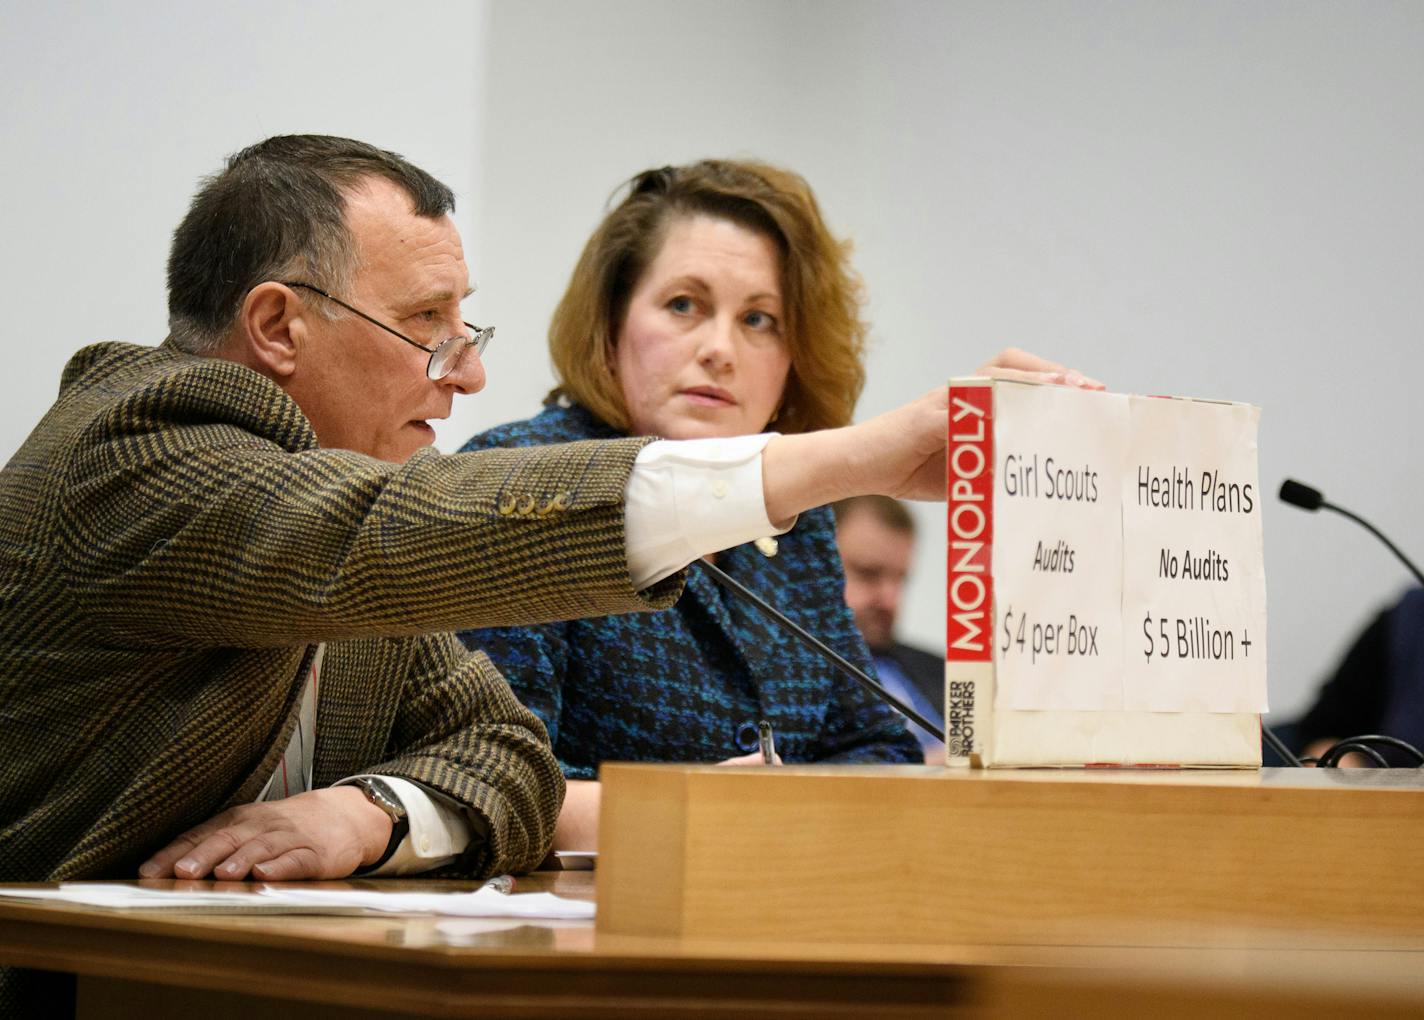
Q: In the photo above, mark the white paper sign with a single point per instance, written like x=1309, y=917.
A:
x=1059, y=455
x=1194, y=584
x=1127, y=554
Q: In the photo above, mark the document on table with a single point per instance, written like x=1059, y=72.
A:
x=488, y=901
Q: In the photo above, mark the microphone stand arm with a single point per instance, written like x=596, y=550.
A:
x=840, y=662
x=1378, y=534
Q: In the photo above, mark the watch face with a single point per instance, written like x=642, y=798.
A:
x=380, y=794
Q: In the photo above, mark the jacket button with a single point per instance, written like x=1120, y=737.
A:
x=526, y=506
x=558, y=502
x=506, y=506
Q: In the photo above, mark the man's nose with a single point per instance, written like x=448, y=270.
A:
x=468, y=375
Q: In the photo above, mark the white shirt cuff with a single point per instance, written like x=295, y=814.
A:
x=690, y=497
x=439, y=831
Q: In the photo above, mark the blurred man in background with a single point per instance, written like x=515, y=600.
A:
x=876, y=538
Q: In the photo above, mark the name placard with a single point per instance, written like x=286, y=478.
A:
x=1106, y=595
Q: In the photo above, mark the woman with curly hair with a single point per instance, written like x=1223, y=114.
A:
x=711, y=303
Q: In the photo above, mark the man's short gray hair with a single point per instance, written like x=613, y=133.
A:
x=277, y=211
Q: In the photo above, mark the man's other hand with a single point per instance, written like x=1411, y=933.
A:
x=325, y=833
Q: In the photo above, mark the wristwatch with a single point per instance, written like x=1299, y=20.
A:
x=379, y=793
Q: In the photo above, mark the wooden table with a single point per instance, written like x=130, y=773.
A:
x=154, y=965
x=906, y=854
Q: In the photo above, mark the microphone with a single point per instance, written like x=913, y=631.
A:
x=825, y=651
x=1302, y=495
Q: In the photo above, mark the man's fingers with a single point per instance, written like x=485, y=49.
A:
x=256, y=849
x=1016, y=359
x=1068, y=377
x=318, y=834
x=1024, y=366
x=297, y=863
x=216, y=847
x=161, y=864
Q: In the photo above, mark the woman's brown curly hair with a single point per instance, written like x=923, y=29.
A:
x=820, y=292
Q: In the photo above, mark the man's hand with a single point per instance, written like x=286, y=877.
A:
x=1012, y=363
x=899, y=453
x=325, y=833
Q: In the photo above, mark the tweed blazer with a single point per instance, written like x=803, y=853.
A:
x=173, y=546
x=690, y=683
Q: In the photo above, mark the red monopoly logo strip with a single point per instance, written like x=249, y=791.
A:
x=970, y=598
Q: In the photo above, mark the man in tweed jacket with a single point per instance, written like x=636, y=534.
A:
x=229, y=565
x=189, y=525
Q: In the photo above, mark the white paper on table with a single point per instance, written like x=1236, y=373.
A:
x=1194, y=582
x=485, y=902
x=1057, y=555
x=125, y=897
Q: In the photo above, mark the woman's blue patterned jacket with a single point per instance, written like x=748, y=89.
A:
x=690, y=683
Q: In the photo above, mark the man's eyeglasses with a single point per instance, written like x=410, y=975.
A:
x=444, y=356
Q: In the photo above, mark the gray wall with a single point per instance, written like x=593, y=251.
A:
x=1216, y=199
x=113, y=112
x=1212, y=199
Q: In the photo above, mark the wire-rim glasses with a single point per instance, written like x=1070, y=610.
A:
x=444, y=356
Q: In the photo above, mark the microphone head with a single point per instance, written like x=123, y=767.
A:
x=1301, y=495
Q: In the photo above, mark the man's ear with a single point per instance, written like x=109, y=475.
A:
x=271, y=330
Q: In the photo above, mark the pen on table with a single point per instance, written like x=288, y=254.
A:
x=768, y=743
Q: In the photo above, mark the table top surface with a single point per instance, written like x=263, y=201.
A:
x=1383, y=780
x=457, y=940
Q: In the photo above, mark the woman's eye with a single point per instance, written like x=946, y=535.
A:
x=760, y=321
x=681, y=305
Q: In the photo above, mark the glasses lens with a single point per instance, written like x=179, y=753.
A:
x=445, y=358
x=447, y=354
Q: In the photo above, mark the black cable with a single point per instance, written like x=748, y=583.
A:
x=859, y=676
x=1395, y=742
x=1376, y=739
x=1280, y=748
x=1331, y=758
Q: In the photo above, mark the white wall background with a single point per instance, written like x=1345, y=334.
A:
x=113, y=111
x=1218, y=199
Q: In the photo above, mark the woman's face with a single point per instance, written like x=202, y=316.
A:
x=700, y=352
